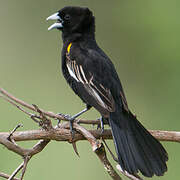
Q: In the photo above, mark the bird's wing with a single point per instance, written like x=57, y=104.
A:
x=98, y=76
x=96, y=89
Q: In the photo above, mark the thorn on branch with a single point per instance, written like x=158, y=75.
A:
x=75, y=148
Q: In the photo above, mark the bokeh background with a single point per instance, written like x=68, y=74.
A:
x=141, y=37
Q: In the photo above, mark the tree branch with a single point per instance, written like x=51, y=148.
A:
x=62, y=133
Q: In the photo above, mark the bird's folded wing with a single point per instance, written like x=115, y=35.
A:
x=96, y=89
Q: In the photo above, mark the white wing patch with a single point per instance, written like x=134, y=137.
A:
x=72, y=73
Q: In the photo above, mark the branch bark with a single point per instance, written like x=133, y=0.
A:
x=61, y=134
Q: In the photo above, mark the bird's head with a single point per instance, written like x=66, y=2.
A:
x=73, y=19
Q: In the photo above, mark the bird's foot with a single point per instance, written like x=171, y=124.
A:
x=66, y=116
x=59, y=120
x=71, y=120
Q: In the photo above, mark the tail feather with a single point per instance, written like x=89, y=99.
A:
x=155, y=152
x=136, y=148
x=151, y=149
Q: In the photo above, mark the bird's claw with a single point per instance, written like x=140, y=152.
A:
x=59, y=120
x=58, y=124
x=67, y=116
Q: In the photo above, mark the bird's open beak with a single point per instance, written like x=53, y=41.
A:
x=58, y=24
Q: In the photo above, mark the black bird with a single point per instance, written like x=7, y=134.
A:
x=92, y=76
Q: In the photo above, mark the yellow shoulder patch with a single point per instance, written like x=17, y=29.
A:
x=69, y=47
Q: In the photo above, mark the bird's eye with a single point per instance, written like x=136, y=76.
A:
x=67, y=17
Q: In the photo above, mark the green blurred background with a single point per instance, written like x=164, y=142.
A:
x=142, y=39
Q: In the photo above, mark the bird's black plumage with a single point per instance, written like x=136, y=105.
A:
x=92, y=76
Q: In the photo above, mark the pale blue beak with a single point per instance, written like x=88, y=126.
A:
x=56, y=25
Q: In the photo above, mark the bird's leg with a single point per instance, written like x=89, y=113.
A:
x=81, y=112
x=102, y=122
x=72, y=118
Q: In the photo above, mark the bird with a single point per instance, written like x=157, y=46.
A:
x=93, y=77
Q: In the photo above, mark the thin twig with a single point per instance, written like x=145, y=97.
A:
x=27, y=154
x=14, y=130
x=16, y=171
x=113, y=156
x=6, y=176
x=26, y=160
x=14, y=104
x=11, y=98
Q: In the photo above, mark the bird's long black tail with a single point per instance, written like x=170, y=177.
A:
x=136, y=148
